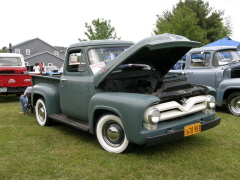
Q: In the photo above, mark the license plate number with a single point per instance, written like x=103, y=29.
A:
x=192, y=129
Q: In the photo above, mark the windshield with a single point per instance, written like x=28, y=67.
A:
x=99, y=57
x=226, y=57
x=10, y=61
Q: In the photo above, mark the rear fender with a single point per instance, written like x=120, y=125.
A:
x=50, y=94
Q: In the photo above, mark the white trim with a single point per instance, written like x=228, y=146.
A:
x=27, y=51
x=56, y=53
x=17, y=51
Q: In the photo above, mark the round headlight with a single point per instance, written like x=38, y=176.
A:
x=154, y=116
x=211, y=102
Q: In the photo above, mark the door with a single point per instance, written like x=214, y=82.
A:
x=200, y=70
x=76, y=86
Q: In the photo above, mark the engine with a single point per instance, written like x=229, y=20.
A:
x=150, y=82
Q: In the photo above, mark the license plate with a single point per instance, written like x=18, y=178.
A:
x=4, y=89
x=192, y=129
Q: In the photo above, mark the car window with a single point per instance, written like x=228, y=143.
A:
x=10, y=61
x=226, y=57
x=99, y=57
x=75, y=60
x=200, y=59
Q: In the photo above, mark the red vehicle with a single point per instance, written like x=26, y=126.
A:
x=14, y=77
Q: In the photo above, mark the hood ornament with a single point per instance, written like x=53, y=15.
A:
x=184, y=100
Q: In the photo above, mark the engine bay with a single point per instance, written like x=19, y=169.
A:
x=149, y=81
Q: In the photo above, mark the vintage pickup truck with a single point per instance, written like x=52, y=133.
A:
x=14, y=77
x=116, y=90
x=218, y=67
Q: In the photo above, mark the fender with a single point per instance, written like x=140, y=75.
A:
x=50, y=94
x=224, y=86
x=130, y=107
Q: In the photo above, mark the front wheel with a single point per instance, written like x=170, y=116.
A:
x=233, y=103
x=110, y=134
x=41, y=113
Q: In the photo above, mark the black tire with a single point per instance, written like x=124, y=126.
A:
x=110, y=134
x=233, y=103
x=41, y=113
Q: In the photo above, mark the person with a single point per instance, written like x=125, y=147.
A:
x=41, y=67
x=24, y=99
x=36, y=68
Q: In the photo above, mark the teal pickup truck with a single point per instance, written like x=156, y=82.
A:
x=117, y=90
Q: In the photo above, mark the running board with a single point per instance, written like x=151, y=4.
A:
x=70, y=121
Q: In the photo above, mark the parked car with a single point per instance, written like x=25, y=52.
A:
x=51, y=70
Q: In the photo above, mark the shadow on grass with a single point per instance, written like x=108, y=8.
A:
x=184, y=144
x=172, y=147
x=78, y=134
x=222, y=109
x=9, y=98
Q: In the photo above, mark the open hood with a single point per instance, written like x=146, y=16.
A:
x=160, y=52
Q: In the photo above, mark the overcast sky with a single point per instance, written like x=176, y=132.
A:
x=61, y=23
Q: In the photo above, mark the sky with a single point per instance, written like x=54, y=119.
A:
x=61, y=23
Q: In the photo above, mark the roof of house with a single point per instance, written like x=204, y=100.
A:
x=40, y=53
x=24, y=42
x=61, y=48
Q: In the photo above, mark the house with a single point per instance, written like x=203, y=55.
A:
x=36, y=51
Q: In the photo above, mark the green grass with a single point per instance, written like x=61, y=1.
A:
x=60, y=152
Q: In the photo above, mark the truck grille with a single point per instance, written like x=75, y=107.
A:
x=173, y=109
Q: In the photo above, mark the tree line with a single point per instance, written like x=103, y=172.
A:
x=194, y=19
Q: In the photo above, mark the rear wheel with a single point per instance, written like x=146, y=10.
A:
x=233, y=103
x=41, y=113
x=110, y=134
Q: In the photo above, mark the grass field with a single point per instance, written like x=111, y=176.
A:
x=60, y=152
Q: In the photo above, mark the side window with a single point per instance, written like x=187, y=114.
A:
x=27, y=51
x=56, y=53
x=76, y=61
x=17, y=51
x=200, y=60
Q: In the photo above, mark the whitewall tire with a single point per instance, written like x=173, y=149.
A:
x=111, y=135
x=41, y=113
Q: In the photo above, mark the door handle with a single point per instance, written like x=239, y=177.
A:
x=64, y=80
x=188, y=72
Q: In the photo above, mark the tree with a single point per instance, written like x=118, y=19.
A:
x=100, y=29
x=3, y=50
x=195, y=20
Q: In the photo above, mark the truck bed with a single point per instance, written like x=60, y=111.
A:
x=36, y=79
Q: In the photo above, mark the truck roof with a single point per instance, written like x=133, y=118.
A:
x=212, y=48
x=100, y=42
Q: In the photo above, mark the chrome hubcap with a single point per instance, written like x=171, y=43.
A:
x=113, y=134
x=41, y=112
x=235, y=105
